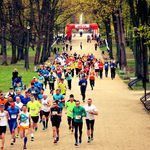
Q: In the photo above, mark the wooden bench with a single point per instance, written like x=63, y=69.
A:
x=145, y=99
x=133, y=81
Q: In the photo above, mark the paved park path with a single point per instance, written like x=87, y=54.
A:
x=122, y=124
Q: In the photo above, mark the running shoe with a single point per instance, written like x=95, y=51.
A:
x=89, y=140
x=55, y=141
x=17, y=136
x=12, y=143
x=14, y=140
x=36, y=129
x=32, y=138
x=57, y=138
x=24, y=147
x=76, y=144
x=72, y=130
x=80, y=141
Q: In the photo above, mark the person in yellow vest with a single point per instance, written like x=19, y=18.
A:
x=62, y=86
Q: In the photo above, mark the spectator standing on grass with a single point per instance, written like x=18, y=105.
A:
x=15, y=74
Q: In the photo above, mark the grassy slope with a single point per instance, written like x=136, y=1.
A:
x=6, y=71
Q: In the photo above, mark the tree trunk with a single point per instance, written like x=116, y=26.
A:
x=115, y=23
x=13, y=58
x=122, y=39
x=3, y=41
x=109, y=36
x=37, y=54
x=26, y=52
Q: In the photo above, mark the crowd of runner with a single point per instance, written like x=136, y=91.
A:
x=23, y=112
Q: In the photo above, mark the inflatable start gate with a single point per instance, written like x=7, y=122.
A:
x=69, y=28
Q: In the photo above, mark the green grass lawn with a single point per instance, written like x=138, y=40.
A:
x=6, y=71
x=6, y=75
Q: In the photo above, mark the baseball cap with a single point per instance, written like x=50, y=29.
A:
x=12, y=104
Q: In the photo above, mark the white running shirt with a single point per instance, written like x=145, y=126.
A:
x=45, y=105
x=3, y=118
x=89, y=109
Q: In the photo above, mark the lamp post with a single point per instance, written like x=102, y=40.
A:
x=27, y=49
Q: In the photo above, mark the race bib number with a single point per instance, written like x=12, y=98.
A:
x=54, y=112
x=33, y=110
x=13, y=116
x=33, y=92
x=84, y=84
x=78, y=117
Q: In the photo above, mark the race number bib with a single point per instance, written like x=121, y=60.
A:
x=33, y=92
x=33, y=110
x=78, y=117
x=13, y=116
x=54, y=112
x=83, y=84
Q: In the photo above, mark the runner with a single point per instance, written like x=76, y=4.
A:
x=92, y=79
x=24, y=123
x=55, y=114
x=113, y=69
x=34, y=107
x=91, y=111
x=101, y=65
x=13, y=112
x=45, y=110
x=3, y=124
x=96, y=66
x=68, y=77
x=106, y=65
x=59, y=98
x=83, y=85
x=78, y=113
x=52, y=80
x=70, y=104
x=18, y=103
x=62, y=86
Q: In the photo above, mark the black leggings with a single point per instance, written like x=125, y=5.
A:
x=83, y=94
x=92, y=83
x=69, y=84
x=45, y=82
x=78, y=126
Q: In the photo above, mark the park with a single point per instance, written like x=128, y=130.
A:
x=40, y=38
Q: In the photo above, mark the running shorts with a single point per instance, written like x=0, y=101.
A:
x=35, y=119
x=55, y=123
x=90, y=124
x=2, y=129
x=12, y=125
x=22, y=128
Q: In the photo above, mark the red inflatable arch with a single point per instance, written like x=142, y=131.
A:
x=69, y=28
